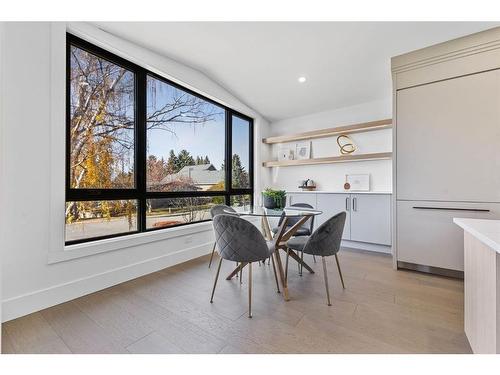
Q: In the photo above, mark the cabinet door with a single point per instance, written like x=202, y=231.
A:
x=426, y=234
x=371, y=218
x=332, y=204
x=448, y=140
x=309, y=198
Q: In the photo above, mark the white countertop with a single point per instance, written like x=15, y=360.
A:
x=487, y=231
x=338, y=192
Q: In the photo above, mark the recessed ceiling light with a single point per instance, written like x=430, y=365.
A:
x=302, y=79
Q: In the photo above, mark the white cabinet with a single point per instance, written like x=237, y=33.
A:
x=448, y=140
x=332, y=204
x=427, y=236
x=447, y=147
x=368, y=215
x=371, y=218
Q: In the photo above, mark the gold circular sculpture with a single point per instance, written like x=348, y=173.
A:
x=346, y=148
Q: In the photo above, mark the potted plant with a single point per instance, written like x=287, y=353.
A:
x=274, y=198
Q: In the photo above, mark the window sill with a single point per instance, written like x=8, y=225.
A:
x=117, y=243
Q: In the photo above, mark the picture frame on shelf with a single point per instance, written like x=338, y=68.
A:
x=303, y=150
x=285, y=153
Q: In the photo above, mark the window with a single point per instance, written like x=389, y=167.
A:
x=182, y=130
x=100, y=218
x=167, y=212
x=101, y=123
x=241, y=135
x=144, y=153
x=241, y=201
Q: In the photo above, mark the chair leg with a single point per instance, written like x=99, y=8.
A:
x=211, y=256
x=326, y=281
x=286, y=264
x=275, y=274
x=302, y=260
x=340, y=272
x=241, y=275
x=215, y=282
x=314, y=258
x=249, y=290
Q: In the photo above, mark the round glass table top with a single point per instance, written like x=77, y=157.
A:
x=262, y=211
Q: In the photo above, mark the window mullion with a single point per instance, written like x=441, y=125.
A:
x=141, y=146
x=228, y=156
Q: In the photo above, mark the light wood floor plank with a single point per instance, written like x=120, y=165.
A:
x=7, y=346
x=79, y=332
x=342, y=339
x=173, y=327
x=32, y=334
x=118, y=323
x=154, y=343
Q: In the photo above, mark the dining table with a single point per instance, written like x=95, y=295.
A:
x=279, y=238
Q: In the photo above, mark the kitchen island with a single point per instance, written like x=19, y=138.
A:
x=481, y=283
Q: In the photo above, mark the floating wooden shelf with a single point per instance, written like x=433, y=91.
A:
x=329, y=160
x=348, y=129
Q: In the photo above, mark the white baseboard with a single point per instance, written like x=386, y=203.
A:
x=367, y=246
x=41, y=299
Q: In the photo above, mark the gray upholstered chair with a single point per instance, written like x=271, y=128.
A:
x=214, y=211
x=305, y=230
x=324, y=241
x=240, y=241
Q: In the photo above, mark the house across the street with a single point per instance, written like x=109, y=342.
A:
x=203, y=176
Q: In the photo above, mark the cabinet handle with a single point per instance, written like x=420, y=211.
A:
x=354, y=204
x=347, y=204
x=451, y=209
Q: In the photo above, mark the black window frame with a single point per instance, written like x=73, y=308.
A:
x=139, y=192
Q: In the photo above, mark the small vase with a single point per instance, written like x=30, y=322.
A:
x=269, y=202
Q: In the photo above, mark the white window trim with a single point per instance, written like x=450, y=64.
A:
x=130, y=240
x=57, y=172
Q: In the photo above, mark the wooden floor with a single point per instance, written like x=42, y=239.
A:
x=380, y=311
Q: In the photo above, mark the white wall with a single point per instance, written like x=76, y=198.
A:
x=331, y=177
x=2, y=179
x=33, y=172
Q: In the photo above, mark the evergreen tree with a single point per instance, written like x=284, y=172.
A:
x=239, y=175
x=200, y=160
x=184, y=159
x=172, y=163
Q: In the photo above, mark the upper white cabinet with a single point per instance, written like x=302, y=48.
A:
x=371, y=218
x=448, y=140
x=332, y=204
